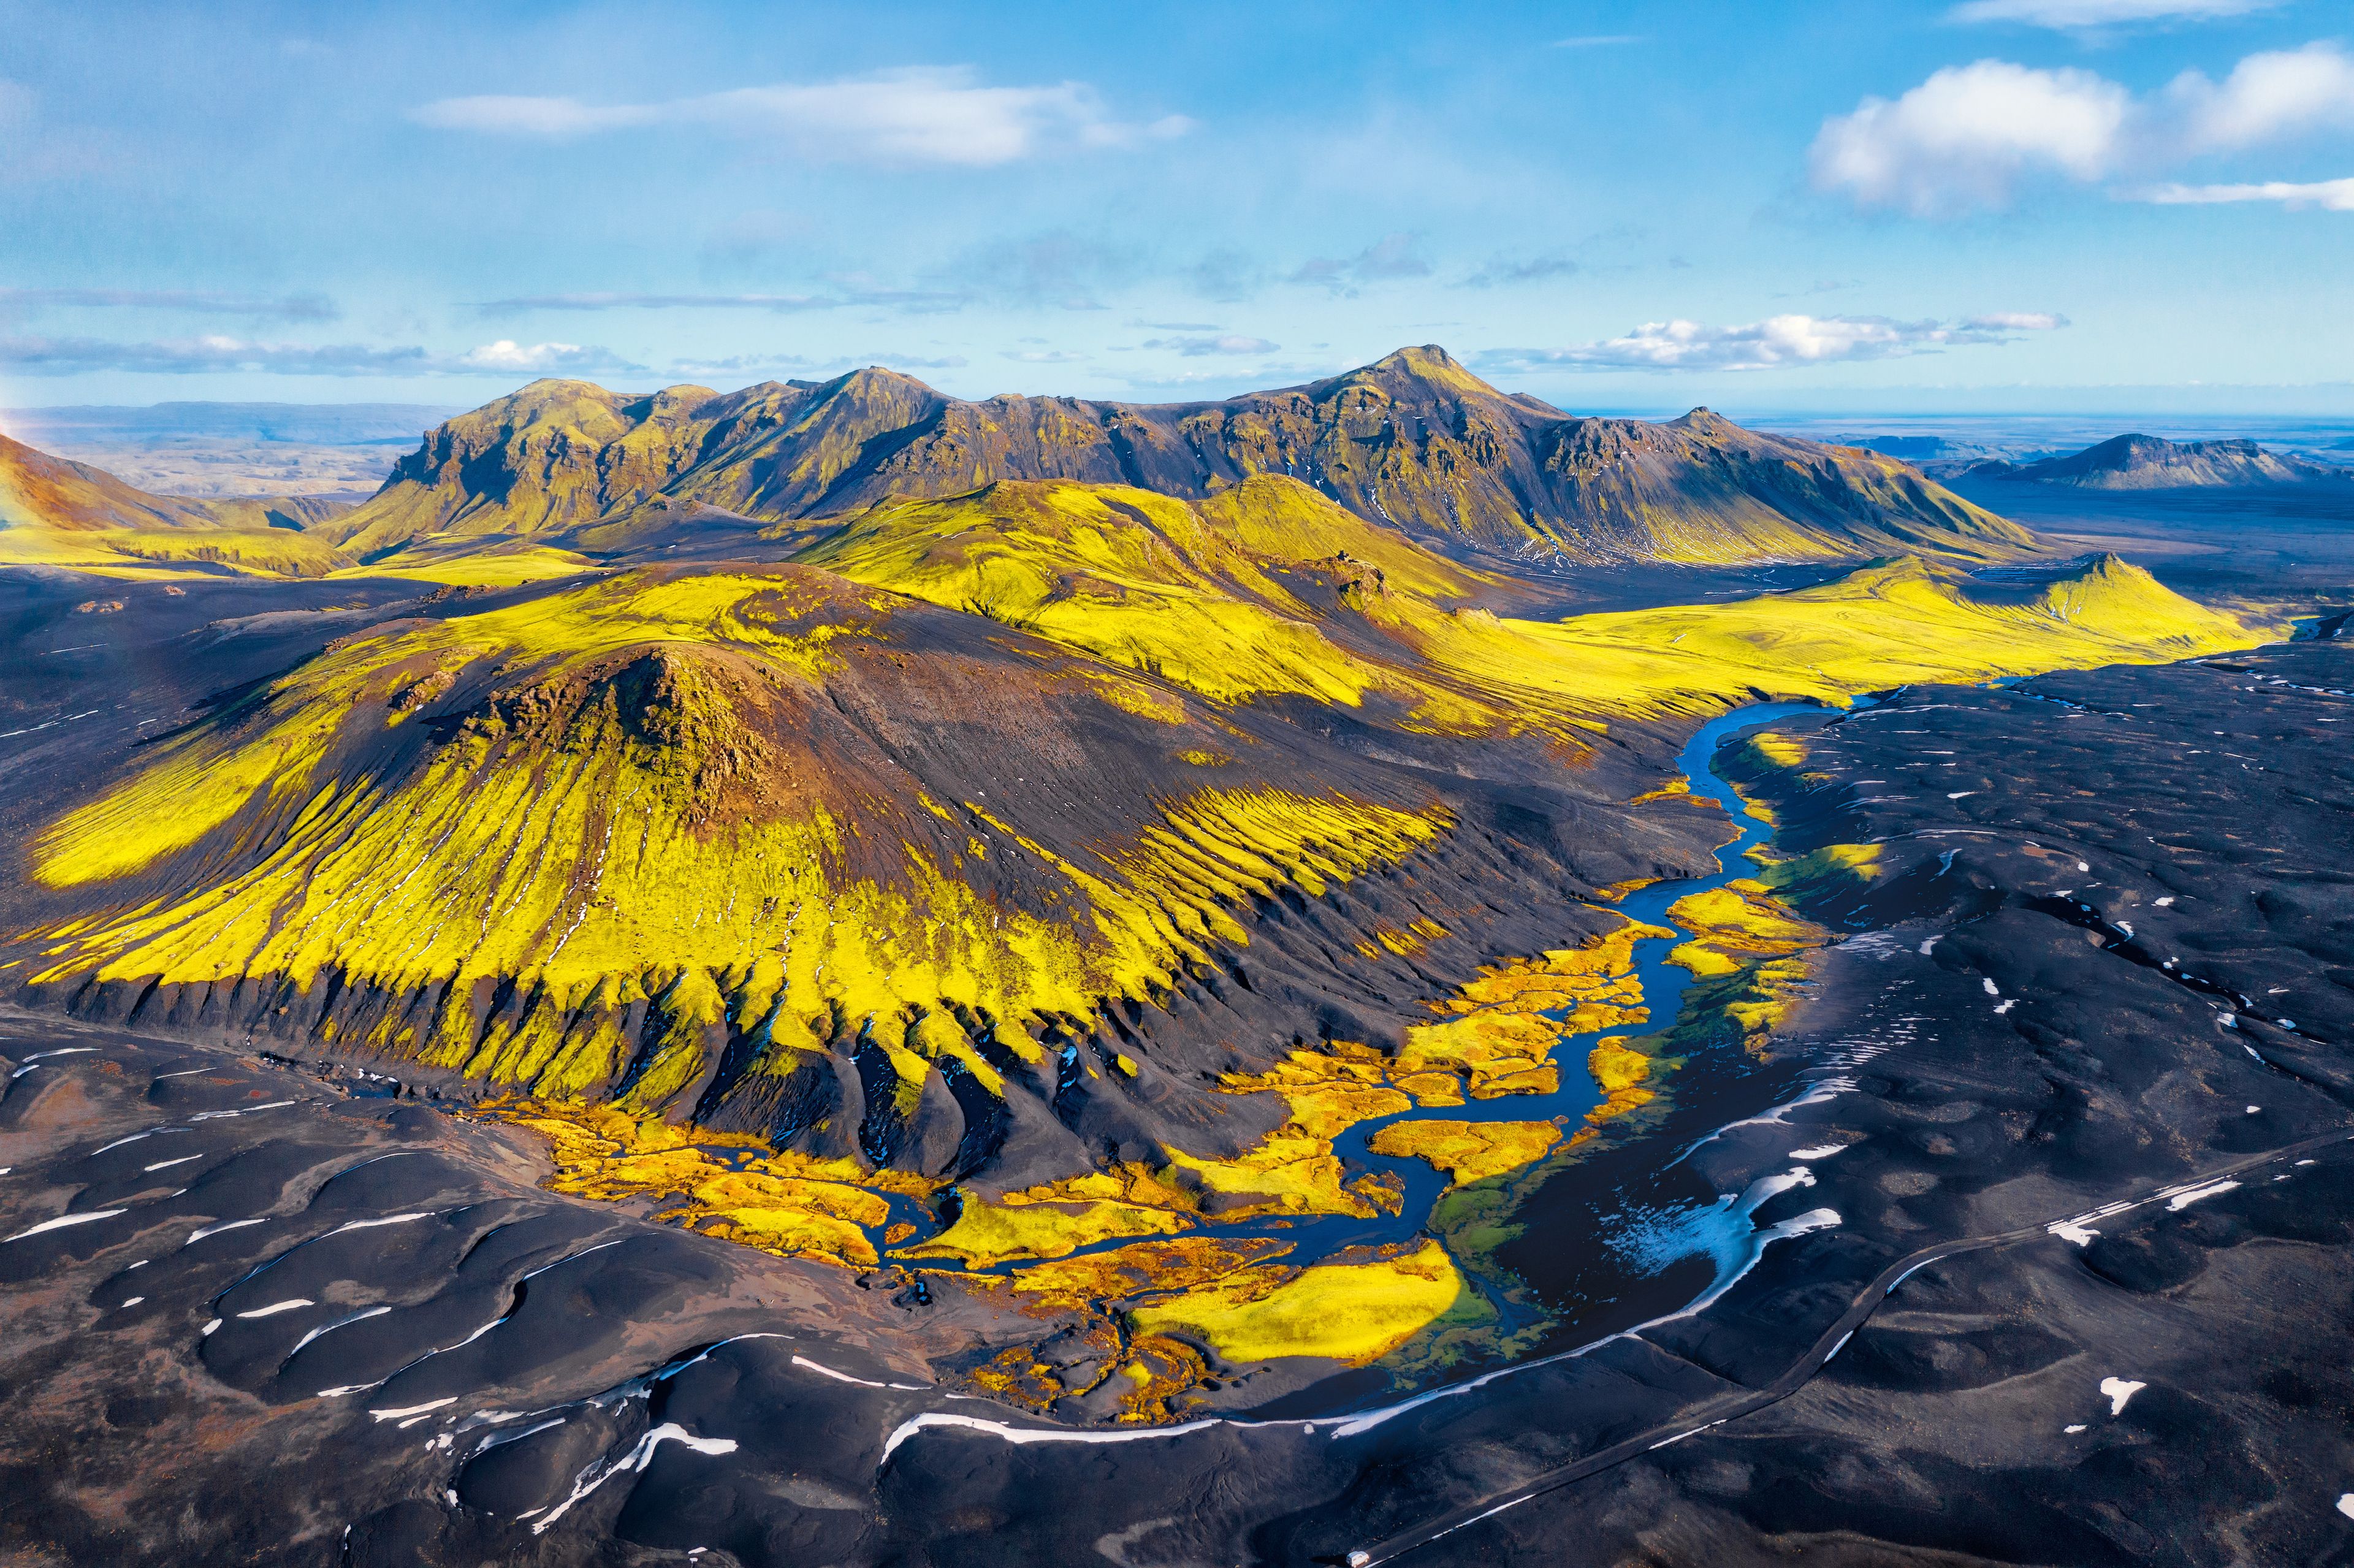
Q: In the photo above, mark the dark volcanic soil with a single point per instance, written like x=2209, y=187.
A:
x=2134, y=890
x=2017, y=1033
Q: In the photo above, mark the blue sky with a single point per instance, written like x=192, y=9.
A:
x=1997, y=205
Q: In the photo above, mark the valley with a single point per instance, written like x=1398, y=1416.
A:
x=1039, y=935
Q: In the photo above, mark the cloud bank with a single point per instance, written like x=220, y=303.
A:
x=917, y=115
x=1774, y=343
x=290, y=307
x=1224, y=342
x=197, y=356
x=2077, y=15
x=2331, y=195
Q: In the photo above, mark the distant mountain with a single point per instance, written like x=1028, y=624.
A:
x=56, y=512
x=1922, y=451
x=1414, y=440
x=306, y=424
x=2150, y=462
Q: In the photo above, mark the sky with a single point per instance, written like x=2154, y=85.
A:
x=1867, y=205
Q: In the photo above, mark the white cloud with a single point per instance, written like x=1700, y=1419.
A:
x=2017, y=321
x=1968, y=136
x=1775, y=341
x=917, y=115
x=2079, y=14
x=1226, y=343
x=75, y=355
x=1391, y=256
x=783, y=303
x=1964, y=137
x=2331, y=195
x=216, y=353
x=289, y=307
x=2280, y=94
x=503, y=115
x=508, y=355
x=1502, y=270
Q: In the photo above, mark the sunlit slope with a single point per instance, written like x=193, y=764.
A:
x=553, y=454
x=1882, y=626
x=580, y=845
x=1236, y=597
x=886, y=851
x=1412, y=441
x=58, y=513
x=1247, y=595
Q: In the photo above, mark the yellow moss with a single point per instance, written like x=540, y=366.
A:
x=1882, y=626
x=986, y=1235
x=1501, y=1040
x=559, y=850
x=1127, y=576
x=1829, y=866
x=1347, y=1311
x=1736, y=922
x=1469, y=1152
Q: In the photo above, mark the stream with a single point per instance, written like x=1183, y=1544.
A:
x=1628, y=1232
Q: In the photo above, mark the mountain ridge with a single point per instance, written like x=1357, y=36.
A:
x=2134, y=462
x=1413, y=440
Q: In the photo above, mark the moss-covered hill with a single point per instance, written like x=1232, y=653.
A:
x=987, y=832
x=1414, y=441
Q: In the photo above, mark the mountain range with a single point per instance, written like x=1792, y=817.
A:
x=2152, y=462
x=1414, y=440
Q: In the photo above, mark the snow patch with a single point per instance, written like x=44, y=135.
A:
x=62, y=1221
x=639, y=1458
x=2183, y=1200
x=293, y=1304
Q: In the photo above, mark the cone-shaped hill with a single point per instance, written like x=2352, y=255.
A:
x=1414, y=440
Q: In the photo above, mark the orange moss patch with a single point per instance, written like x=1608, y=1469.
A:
x=1184, y=1264
x=778, y=1201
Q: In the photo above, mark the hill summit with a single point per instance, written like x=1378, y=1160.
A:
x=1413, y=441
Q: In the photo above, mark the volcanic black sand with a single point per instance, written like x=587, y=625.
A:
x=2106, y=958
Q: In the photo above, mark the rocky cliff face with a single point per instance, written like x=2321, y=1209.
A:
x=1413, y=441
